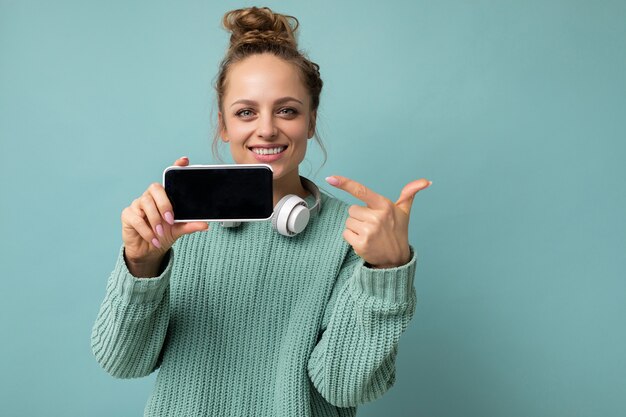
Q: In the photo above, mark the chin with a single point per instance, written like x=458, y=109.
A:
x=279, y=172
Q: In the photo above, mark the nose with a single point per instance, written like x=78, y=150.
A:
x=266, y=129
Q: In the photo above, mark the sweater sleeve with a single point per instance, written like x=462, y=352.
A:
x=354, y=360
x=132, y=322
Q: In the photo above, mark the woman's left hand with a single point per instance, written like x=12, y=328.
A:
x=379, y=233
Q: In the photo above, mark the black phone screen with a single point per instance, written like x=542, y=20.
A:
x=220, y=193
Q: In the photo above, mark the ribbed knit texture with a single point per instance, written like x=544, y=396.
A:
x=246, y=322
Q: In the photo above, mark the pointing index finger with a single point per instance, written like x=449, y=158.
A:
x=369, y=197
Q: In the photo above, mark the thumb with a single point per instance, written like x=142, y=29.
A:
x=407, y=194
x=180, y=229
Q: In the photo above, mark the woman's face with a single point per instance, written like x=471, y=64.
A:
x=266, y=114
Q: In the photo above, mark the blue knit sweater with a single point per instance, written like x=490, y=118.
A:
x=246, y=322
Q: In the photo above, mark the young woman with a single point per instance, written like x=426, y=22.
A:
x=245, y=321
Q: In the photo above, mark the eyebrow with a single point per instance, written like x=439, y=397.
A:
x=279, y=101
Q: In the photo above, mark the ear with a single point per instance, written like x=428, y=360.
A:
x=221, y=126
x=312, y=122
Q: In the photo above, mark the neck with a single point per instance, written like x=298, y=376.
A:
x=288, y=185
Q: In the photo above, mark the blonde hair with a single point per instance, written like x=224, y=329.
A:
x=259, y=30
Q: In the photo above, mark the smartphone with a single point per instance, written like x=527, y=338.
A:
x=233, y=193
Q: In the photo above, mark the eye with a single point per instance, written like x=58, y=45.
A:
x=288, y=112
x=244, y=113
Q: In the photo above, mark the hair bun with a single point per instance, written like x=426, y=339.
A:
x=255, y=25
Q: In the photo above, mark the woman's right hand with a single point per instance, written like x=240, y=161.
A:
x=149, y=231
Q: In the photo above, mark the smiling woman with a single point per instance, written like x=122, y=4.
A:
x=267, y=118
x=268, y=93
x=248, y=321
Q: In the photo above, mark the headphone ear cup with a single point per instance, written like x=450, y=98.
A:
x=291, y=215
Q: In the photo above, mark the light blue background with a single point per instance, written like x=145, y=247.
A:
x=516, y=110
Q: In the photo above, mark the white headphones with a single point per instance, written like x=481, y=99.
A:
x=292, y=213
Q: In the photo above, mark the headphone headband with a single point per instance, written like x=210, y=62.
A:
x=312, y=188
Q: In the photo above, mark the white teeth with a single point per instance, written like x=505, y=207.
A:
x=268, y=151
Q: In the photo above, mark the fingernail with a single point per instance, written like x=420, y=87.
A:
x=159, y=230
x=169, y=217
x=156, y=242
x=332, y=180
x=430, y=183
x=184, y=157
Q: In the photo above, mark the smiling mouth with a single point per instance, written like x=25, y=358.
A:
x=268, y=151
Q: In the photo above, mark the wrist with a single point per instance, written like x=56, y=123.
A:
x=146, y=267
x=384, y=266
x=401, y=261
